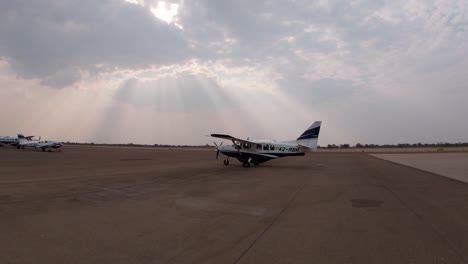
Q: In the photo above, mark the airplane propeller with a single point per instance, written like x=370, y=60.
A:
x=217, y=148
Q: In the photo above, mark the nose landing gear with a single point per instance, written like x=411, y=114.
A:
x=226, y=162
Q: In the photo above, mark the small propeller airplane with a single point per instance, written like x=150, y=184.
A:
x=11, y=141
x=38, y=144
x=259, y=151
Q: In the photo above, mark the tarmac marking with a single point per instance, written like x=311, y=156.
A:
x=211, y=205
x=366, y=203
x=134, y=159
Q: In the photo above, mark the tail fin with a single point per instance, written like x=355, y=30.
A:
x=21, y=138
x=309, y=138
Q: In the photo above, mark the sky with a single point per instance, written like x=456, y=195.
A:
x=172, y=72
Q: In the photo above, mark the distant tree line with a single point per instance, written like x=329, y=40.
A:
x=138, y=145
x=401, y=145
x=329, y=146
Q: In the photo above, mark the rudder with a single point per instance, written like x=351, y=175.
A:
x=309, y=138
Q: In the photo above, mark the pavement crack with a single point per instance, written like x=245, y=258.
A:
x=270, y=225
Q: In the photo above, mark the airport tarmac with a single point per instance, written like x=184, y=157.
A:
x=118, y=205
x=452, y=165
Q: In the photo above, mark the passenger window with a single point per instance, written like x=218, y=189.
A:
x=272, y=147
x=265, y=147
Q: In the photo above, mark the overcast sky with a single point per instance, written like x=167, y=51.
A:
x=116, y=71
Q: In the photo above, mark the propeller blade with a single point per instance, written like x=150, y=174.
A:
x=217, y=154
x=221, y=143
x=215, y=144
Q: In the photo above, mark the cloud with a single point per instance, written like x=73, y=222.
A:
x=40, y=39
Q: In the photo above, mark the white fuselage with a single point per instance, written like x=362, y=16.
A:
x=40, y=144
x=9, y=140
x=261, y=150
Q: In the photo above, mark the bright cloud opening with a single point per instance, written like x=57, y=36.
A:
x=167, y=13
x=135, y=2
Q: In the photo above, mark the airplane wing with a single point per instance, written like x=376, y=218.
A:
x=228, y=137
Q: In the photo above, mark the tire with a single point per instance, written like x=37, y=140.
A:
x=43, y=149
x=226, y=162
x=246, y=164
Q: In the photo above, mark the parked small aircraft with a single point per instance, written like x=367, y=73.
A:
x=259, y=151
x=11, y=141
x=38, y=144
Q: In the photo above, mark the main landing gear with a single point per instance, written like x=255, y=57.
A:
x=245, y=164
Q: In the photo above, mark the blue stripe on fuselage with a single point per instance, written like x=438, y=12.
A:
x=258, y=157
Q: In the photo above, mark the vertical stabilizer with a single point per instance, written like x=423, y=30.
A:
x=309, y=138
x=22, y=139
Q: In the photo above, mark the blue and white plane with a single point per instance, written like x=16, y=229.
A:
x=12, y=141
x=38, y=144
x=259, y=151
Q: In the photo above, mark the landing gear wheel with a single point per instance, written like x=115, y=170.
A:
x=43, y=149
x=226, y=162
x=246, y=164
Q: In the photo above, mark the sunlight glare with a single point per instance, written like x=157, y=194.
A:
x=135, y=2
x=166, y=12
